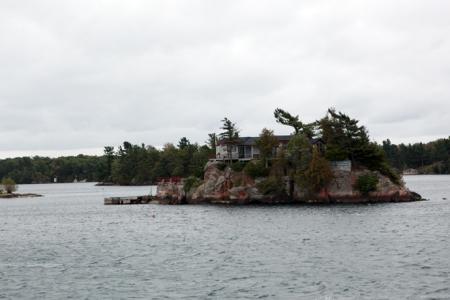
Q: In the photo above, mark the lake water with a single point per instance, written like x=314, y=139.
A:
x=69, y=245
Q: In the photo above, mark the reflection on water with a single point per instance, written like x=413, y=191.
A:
x=68, y=244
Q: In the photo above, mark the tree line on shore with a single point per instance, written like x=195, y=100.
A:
x=127, y=165
x=427, y=158
x=131, y=164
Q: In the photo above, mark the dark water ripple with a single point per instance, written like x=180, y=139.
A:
x=68, y=245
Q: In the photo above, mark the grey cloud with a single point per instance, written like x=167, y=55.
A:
x=83, y=74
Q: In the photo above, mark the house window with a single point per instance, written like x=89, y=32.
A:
x=245, y=151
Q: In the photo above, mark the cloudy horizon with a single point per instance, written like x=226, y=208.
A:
x=79, y=75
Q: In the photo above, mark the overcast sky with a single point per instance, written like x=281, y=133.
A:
x=78, y=75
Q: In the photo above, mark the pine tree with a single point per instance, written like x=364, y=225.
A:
x=229, y=136
x=285, y=118
x=319, y=173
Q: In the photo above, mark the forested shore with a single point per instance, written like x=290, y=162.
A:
x=131, y=164
x=127, y=165
x=426, y=158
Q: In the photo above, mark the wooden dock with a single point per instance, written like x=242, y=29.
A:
x=130, y=200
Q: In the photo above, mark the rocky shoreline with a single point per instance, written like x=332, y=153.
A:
x=236, y=188
x=17, y=195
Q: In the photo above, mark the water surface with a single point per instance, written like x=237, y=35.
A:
x=69, y=245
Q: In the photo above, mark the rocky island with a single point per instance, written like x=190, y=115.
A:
x=17, y=195
x=225, y=186
x=328, y=161
x=9, y=188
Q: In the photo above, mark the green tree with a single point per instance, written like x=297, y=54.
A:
x=346, y=139
x=319, y=172
x=343, y=136
x=134, y=164
x=9, y=185
x=198, y=161
x=285, y=118
x=366, y=183
x=212, y=141
x=183, y=143
x=109, y=158
x=266, y=144
x=298, y=155
x=273, y=186
x=230, y=136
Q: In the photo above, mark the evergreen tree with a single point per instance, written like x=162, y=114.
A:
x=319, y=172
x=266, y=144
x=230, y=136
x=109, y=158
x=212, y=142
x=183, y=143
x=298, y=155
x=285, y=118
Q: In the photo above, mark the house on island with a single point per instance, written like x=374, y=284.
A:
x=245, y=148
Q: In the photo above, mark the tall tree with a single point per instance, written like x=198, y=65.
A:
x=285, y=118
x=298, y=156
x=346, y=139
x=343, y=136
x=183, y=143
x=229, y=136
x=319, y=172
x=212, y=141
x=266, y=144
x=109, y=156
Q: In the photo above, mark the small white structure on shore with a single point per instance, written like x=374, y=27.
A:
x=341, y=165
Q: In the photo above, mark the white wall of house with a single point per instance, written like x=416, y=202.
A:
x=255, y=151
x=222, y=152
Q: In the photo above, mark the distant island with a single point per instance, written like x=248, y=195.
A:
x=8, y=189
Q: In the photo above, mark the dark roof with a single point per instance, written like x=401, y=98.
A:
x=251, y=140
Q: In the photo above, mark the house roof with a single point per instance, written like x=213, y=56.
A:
x=251, y=140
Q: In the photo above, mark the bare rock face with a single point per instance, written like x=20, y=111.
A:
x=341, y=189
x=229, y=187
x=170, y=193
x=225, y=186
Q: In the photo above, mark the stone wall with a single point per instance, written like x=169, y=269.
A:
x=341, y=165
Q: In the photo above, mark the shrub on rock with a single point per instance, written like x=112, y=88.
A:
x=190, y=183
x=366, y=183
x=237, y=166
x=256, y=169
x=273, y=186
x=9, y=185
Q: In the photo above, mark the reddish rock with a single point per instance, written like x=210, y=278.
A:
x=229, y=187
